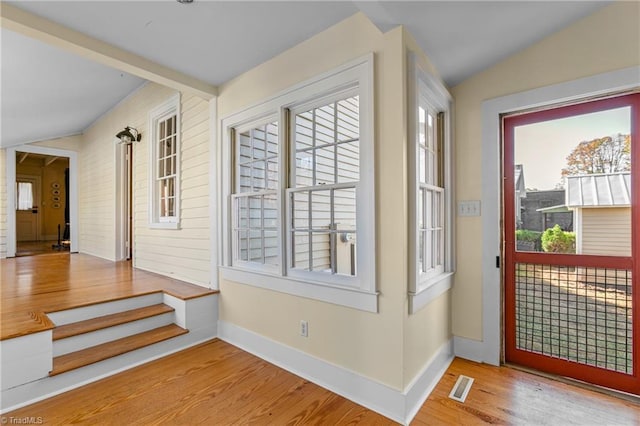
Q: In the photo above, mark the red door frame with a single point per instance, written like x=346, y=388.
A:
x=595, y=375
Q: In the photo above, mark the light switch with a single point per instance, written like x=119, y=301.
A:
x=469, y=208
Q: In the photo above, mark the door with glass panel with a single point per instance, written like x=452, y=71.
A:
x=571, y=225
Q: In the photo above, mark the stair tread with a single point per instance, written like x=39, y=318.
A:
x=98, y=323
x=73, y=360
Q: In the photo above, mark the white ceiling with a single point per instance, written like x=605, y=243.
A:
x=49, y=93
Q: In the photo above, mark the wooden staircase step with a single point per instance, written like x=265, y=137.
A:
x=73, y=360
x=93, y=324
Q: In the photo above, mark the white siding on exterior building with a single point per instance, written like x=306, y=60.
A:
x=180, y=253
x=606, y=231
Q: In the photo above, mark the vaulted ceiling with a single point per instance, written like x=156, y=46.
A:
x=48, y=92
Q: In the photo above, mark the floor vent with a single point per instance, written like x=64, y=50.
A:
x=461, y=388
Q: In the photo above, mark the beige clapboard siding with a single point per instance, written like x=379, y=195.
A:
x=181, y=253
x=606, y=231
x=3, y=205
x=97, y=171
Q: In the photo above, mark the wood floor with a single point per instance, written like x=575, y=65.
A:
x=34, y=248
x=33, y=286
x=218, y=384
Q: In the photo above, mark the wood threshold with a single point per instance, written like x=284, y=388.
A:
x=71, y=361
x=99, y=323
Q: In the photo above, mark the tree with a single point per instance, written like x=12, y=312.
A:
x=609, y=154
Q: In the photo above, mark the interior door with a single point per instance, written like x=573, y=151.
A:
x=571, y=241
x=27, y=208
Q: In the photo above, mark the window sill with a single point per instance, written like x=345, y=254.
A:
x=164, y=225
x=351, y=298
x=431, y=290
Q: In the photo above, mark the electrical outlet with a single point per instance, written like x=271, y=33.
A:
x=304, y=328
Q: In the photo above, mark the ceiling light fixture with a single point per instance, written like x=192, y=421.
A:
x=184, y=1
x=128, y=135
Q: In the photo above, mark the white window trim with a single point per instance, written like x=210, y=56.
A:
x=423, y=289
x=362, y=293
x=170, y=106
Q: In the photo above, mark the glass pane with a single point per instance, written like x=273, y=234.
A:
x=346, y=253
x=301, y=250
x=272, y=139
x=422, y=267
x=577, y=166
x=169, y=147
x=168, y=170
x=304, y=130
x=422, y=115
x=321, y=251
x=244, y=141
x=349, y=162
x=271, y=247
x=430, y=131
x=161, y=171
x=244, y=178
x=320, y=209
x=422, y=165
x=304, y=169
x=243, y=244
x=162, y=131
x=171, y=209
x=421, y=201
x=255, y=212
x=272, y=173
x=270, y=212
x=325, y=165
x=258, y=175
x=348, y=114
x=25, y=196
x=344, y=204
x=243, y=212
x=325, y=124
x=429, y=249
x=259, y=143
x=300, y=209
x=255, y=246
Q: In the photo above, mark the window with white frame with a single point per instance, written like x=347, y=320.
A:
x=255, y=199
x=301, y=190
x=431, y=220
x=164, y=122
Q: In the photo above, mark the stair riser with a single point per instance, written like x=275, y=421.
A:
x=87, y=312
x=86, y=340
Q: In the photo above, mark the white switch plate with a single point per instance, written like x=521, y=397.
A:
x=469, y=208
x=304, y=328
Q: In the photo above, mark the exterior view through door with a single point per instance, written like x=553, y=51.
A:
x=571, y=241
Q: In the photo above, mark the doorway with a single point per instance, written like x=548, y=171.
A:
x=41, y=203
x=571, y=225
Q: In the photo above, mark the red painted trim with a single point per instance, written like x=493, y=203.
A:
x=574, y=260
x=624, y=382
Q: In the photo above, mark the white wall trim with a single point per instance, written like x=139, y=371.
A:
x=435, y=288
x=468, y=348
x=214, y=191
x=397, y=405
x=601, y=84
x=11, y=192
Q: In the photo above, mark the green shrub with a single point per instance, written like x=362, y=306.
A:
x=527, y=235
x=555, y=240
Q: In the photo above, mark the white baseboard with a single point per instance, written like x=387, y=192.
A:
x=395, y=404
x=470, y=349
